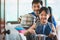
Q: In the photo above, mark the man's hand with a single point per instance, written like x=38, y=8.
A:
x=32, y=31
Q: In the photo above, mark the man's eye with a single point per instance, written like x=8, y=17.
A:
x=34, y=6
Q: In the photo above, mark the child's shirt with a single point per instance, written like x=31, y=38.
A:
x=45, y=29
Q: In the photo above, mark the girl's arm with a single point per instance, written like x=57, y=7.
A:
x=53, y=33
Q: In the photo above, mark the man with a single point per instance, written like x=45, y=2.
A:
x=36, y=5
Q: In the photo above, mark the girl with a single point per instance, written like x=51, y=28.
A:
x=43, y=26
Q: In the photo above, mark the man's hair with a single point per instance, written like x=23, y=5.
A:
x=37, y=1
x=43, y=9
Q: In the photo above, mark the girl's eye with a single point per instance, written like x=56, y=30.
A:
x=38, y=6
x=41, y=14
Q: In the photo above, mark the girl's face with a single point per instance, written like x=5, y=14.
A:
x=43, y=17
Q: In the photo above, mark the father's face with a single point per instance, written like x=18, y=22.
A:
x=36, y=8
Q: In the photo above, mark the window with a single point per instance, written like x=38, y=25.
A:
x=2, y=9
x=16, y=8
x=11, y=10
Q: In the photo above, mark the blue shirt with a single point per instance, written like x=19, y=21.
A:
x=34, y=14
x=40, y=29
x=53, y=21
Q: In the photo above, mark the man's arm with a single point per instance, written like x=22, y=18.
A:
x=30, y=30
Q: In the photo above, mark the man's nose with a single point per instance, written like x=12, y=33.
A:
x=37, y=8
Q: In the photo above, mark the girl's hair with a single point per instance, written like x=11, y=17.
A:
x=50, y=11
x=43, y=9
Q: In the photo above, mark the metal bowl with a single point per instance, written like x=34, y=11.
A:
x=40, y=37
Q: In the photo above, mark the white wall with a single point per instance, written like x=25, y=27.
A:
x=55, y=4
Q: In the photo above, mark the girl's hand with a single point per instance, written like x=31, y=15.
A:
x=51, y=35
